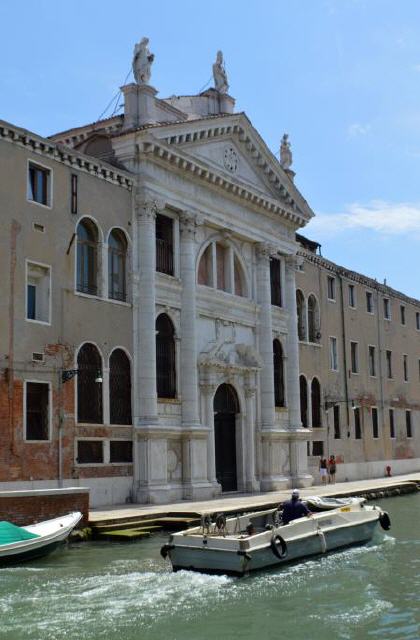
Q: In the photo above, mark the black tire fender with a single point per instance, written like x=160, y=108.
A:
x=385, y=521
x=279, y=547
x=166, y=549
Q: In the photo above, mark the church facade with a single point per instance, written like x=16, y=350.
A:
x=152, y=327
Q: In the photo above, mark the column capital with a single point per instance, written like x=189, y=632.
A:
x=148, y=208
x=189, y=221
x=265, y=250
x=208, y=387
x=293, y=262
x=250, y=392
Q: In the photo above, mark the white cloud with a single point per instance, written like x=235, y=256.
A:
x=358, y=129
x=383, y=217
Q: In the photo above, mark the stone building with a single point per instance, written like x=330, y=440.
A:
x=359, y=369
x=150, y=333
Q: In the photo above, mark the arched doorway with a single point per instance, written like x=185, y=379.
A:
x=226, y=406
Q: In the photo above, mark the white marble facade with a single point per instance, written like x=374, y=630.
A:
x=212, y=174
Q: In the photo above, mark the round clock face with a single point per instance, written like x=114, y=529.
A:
x=230, y=159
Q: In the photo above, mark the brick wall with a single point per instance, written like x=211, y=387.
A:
x=29, y=507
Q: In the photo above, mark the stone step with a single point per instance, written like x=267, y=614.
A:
x=123, y=535
x=166, y=522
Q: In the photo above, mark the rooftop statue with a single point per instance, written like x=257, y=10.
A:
x=286, y=158
x=219, y=74
x=142, y=62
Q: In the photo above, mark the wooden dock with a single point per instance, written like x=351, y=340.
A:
x=134, y=521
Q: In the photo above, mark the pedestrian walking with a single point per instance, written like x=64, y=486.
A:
x=323, y=470
x=332, y=468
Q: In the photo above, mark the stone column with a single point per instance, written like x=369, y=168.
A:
x=293, y=390
x=298, y=458
x=251, y=482
x=208, y=392
x=146, y=370
x=189, y=378
x=265, y=336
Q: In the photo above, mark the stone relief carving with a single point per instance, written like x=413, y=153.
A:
x=142, y=62
x=219, y=74
x=223, y=353
x=286, y=157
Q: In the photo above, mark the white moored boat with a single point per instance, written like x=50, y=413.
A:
x=18, y=544
x=258, y=540
x=320, y=503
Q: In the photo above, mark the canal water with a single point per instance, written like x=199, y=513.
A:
x=114, y=591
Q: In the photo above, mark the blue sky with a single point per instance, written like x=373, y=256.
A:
x=342, y=77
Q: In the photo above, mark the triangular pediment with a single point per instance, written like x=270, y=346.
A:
x=227, y=157
x=232, y=147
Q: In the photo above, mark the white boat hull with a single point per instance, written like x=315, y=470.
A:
x=239, y=554
x=52, y=533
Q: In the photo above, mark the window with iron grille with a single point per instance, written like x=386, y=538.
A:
x=275, y=281
x=90, y=452
x=117, y=259
x=121, y=451
x=165, y=357
x=300, y=307
x=278, y=365
x=164, y=245
x=303, y=386
x=73, y=204
x=352, y=296
x=375, y=426
x=119, y=388
x=316, y=404
x=357, y=424
x=408, y=424
x=331, y=288
x=37, y=417
x=87, y=260
x=39, y=183
x=337, y=431
x=391, y=424
x=89, y=385
x=313, y=320
x=317, y=448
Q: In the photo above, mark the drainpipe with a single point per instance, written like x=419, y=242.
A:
x=344, y=341
x=381, y=381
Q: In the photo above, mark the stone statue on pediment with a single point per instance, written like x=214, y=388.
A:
x=219, y=74
x=286, y=158
x=142, y=62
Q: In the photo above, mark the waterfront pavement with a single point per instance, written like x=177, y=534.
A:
x=245, y=502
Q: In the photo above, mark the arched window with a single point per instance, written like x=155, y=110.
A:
x=205, y=267
x=119, y=388
x=221, y=268
x=239, y=279
x=117, y=258
x=316, y=403
x=87, y=259
x=303, y=401
x=313, y=319
x=278, y=364
x=165, y=357
x=300, y=304
x=89, y=385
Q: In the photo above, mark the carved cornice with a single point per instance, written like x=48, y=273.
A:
x=160, y=151
x=65, y=155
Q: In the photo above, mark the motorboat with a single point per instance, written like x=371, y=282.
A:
x=321, y=503
x=239, y=545
x=18, y=544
